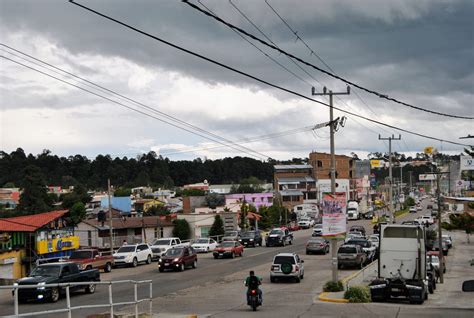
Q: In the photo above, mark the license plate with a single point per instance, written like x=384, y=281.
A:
x=166, y=264
x=220, y=254
x=396, y=290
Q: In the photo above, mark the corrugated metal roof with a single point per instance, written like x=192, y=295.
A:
x=29, y=223
x=285, y=167
x=295, y=180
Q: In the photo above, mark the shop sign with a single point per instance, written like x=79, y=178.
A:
x=58, y=244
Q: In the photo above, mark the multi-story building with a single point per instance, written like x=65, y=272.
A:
x=322, y=165
x=293, y=184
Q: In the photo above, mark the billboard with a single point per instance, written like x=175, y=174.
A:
x=467, y=163
x=334, y=215
x=362, y=168
x=428, y=150
x=375, y=163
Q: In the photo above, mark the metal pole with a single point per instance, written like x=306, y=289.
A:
x=135, y=299
x=111, y=302
x=440, y=236
x=110, y=220
x=16, y=301
x=68, y=302
x=390, y=189
x=151, y=297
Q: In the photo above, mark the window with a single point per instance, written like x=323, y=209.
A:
x=320, y=164
x=89, y=238
x=155, y=232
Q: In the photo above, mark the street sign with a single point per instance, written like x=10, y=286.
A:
x=427, y=177
x=467, y=163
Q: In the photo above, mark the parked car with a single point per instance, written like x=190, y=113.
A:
x=294, y=227
x=161, y=245
x=444, y=247
x=418, y=207
x=447, y=238
x=353, y=235
x=412, y=209
x=368, y=215
x=133, y=254
x=375, y=239
x=204, y=245
x=351, y=255
x=317, y=245
x=231, y=236
x=425, y=220
x=251, y=238
x=357, y=228
x=369, y=249
x=433, y=258
x=317, y=230
x=278, y=237
x=91, y=258
x=178, y=258
x=306, y=223
x=55, y=273
x=414, y=222
x=287, y=265
x=228, y=249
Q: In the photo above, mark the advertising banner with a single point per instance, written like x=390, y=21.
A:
x=427, y=177
x=334, y=215
x=57, y=244
x=375, y=163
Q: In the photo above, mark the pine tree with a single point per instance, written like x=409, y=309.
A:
x=217, y=227
x=34, y=198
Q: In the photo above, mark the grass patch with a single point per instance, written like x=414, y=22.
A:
x=401, y=212
x=358, y=294
x=331, y=286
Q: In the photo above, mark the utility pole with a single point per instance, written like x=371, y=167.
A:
x=440, y=236
x=111, y=231
x=333, y=164
x=390, y=189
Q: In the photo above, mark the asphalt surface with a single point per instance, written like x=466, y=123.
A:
x=208, y=273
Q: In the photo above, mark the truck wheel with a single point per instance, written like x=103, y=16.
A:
x=291, y=242
x=90, y=289
x=297, y=279
x=54, y=295
x=135, y=262
x=430, y=288
x=339, y=266
x=215, y=256
x=272, y=279
x=88, y=267
x=161, y=269
x=195, y=264
x=108, y=268
x=148, y=259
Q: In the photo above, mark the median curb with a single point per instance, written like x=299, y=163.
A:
x=323, y=295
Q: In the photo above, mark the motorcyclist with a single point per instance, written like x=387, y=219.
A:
x=253, y=282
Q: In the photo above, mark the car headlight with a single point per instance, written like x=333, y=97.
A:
x=39, y=284
x=176, y=259
x=15, y=284
x=378, y=286
x=160, y=260
x=414, y=287
x=251, y=240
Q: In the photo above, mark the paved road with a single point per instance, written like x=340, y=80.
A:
x=209, y=272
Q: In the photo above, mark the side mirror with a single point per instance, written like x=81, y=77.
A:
x=468, y=286
x=266, y=234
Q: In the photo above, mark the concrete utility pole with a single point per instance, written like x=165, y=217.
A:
x=333, y=164
x=390, y=188
x=111, y=231
x=440, y=235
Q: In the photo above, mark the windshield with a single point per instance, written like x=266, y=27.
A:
x=202, y=241
x=248, y=234
x=81, y=255
x=279, y=232
x=316, y=240
x=174, y=252
x=361, y=243
x=347, y=250
x=52, y=271
x=162, y=242
x=126, y=249
x=318, y=226
x=284, y=260
x=434, y=258
x=227, y=244
x=231, y=233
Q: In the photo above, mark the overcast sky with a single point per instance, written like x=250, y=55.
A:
x=421, y=52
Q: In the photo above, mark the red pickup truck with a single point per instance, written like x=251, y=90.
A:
x=91, y=258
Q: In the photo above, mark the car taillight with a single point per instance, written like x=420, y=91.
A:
x=297, y=268
x=253, y=291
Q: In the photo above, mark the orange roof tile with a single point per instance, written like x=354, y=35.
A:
x=29, y=223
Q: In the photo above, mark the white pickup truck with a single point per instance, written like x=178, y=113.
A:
x=160, y=246
x=425, y=219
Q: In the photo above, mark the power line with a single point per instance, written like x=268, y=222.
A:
x=124, y=97
x=313, y=52
x=131, y=108
x=318, y=68
x=257, y=78
x=266, y=37
x=261, y=51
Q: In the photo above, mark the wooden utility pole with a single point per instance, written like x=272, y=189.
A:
x=111, y=231
x=390, y=189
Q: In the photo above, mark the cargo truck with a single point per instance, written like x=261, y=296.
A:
x=402, y=271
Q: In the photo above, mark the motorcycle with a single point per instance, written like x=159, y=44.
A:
x=253, y=300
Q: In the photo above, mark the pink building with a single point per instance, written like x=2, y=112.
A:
x=255, y=199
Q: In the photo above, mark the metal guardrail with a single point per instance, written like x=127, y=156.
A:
x=70, y=308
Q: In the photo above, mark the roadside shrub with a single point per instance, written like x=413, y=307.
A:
x=331, y=286
x=358, y=294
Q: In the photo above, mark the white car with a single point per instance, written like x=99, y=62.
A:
x=133, y=254
x=204, y=245
x=306, y=223
x=447, y=238
x=287, y=265
x=375, y=240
